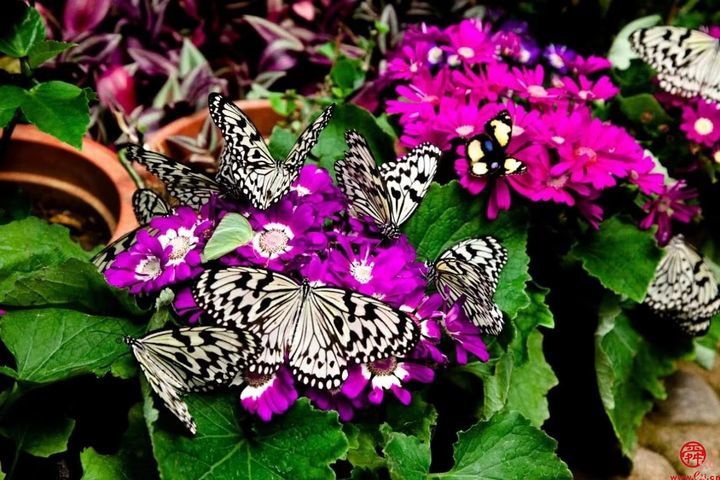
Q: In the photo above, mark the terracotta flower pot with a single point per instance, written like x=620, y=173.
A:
x=90, y=185
x=259, y=111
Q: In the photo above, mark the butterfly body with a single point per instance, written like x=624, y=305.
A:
x=684, y=289
x=486, y=152
x=387, y=195
x=469, y=272
x=318, y=330
x=176, y=361
x=687, y=61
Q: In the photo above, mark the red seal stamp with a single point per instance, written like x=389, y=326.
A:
x=693, y=454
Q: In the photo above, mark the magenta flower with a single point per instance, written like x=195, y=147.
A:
x=588, y=65
x=81, y=16
x=530, y=84
x=140, y=268
x=418, y=99
x=336, y=400
x=469, y=43
x=668, y=206
x=268, y=395
x=466, y=336
x=185, y=306
x=490, y=83
x=315, y=187
x=588, y=91
x=701, y=122
x=116, y=89
x=388, y=374
x=427, y=314
x=182, y=235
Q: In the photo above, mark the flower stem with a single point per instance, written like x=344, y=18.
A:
x=131, y=171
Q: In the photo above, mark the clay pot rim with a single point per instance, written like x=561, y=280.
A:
x=102, y=158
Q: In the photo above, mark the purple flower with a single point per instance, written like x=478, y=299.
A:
x=588, y=65
x=81, y=16
x=268, y=395
x=469, y=42
x=427, y=315
x=116, y=89
x=559, y=57
x=701, y=122
x=466, y=336
x=182, y=235
x=388, y=374
x=668, y=206
x=336, y=400
x=588, y=91
x=140, y=268
x=530, y=84
x=315, y=187
x=185, y=306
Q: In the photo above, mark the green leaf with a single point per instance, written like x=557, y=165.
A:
x=281, y=142
x=45, y=50
x=506, y=446
x=417, y=419
x=190, y=58
x=232, y=232
x=133, y=460
x=55, y=344
x=331, y=143
x=301, y=444
x=448, y=215
x=408, y=458
x=51, y=245
x=59, y=109
x=39, y=434
x=21, y=29
x=11, y=97
x=364, y=439
x=620, y=52
x=629, y=371
x=706, y=346
x=347, y=75
x=621, y=256
x=643, y=108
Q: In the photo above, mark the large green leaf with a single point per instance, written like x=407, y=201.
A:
x=408, y=458
x=39, y=434
x=301, y=444
x=621, y=256
x=59, y=109
x=417, y=419
x=55, y=344
x=11, y=97
x=506, y=446
x=331, y=143
x=21, y=28
x=448, y=215
x=133, y=460
x=45, y=50
x=629, y=371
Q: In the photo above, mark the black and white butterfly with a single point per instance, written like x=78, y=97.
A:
x=486, y=152
x=389, y=194
x=469, y=271
x=319, y=330
x=684, y=289
x=687, y=61
x=247, y=169
x=146, y=205
x=189, y=187
x=191, y=359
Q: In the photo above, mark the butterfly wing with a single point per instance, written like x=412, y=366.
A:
x=469, y=271
x=359, y=178
x=338, y=327
x=486, y=152
x=408, y=179
x=307, y=140
x=187, y=359
x=147, y=205
x=190, y=188
x=107, y=255
x=687, y=61
x=263, y=302
x=684, y=289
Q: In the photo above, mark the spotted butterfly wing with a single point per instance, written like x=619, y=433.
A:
x=684, y=289
x=469, y=271
x=189, y=359
x=187, y=186
x=486, y=152
x=146, y=205
x=320, y=330
x=388, y=195
x=687, y=61
x=247, y=169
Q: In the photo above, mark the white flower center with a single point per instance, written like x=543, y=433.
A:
x=524, y=56
x=704, y=126
x=148, y=269
x=466, y=52
x=465, y=130
x=556, y=60
x=453, y=60
x=585, y=94
x=273, y=240
x=302, y=191
x=537, y=91
x=716, y=156
x=434, y=55
x=181, y=241
x=361, y=271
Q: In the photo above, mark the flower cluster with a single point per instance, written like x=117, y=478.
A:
x=449, y=82
x=304, y=235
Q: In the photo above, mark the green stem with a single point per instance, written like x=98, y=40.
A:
x=7, y=135
x=131, y=171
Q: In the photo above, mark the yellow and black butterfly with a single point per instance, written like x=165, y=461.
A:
x=486, y=151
